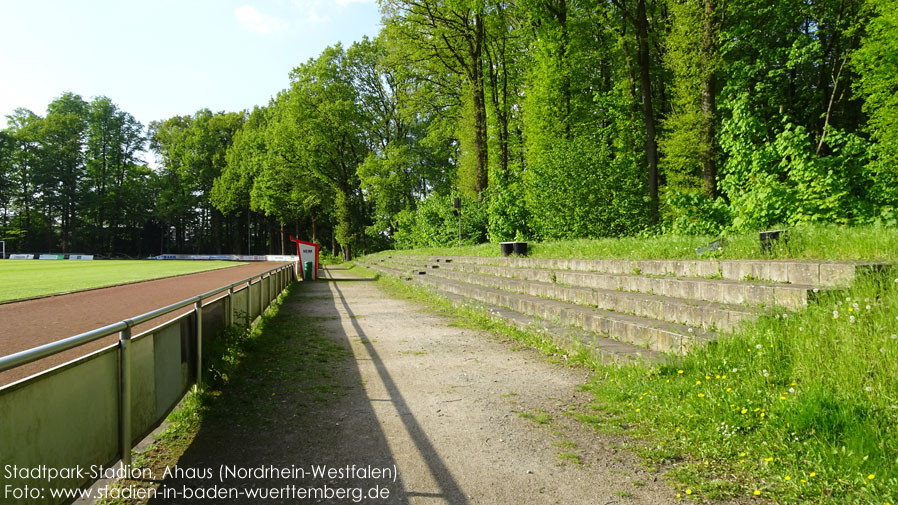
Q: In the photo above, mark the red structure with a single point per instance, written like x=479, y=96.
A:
x=307, y=251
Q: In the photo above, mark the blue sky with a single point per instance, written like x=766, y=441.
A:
x=160, y=58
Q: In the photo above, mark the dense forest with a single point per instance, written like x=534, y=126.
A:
x=548, y=118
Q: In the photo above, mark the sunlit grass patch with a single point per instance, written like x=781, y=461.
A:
x=800, y=407
x=822, y=242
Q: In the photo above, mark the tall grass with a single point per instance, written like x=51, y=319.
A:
x=798, y=408
x=820, y=242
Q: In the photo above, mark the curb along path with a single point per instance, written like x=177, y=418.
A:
x=407, y=392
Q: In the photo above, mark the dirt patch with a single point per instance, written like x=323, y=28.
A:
x=459, y=415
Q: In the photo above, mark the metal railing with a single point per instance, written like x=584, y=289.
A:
x=281, y=277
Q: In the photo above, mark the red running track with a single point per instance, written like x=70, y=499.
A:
x=31, y=323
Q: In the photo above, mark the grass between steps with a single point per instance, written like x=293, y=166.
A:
x=809, y=242
x=801, y=408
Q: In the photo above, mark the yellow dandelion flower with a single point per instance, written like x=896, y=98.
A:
x=757, y=492
x=698, y=382
x=741, y=454
x=637, y=410
x=762, y=415
x=701, y=395
x=871, y=476
x=679, y=371
x=744, y=410
x=757, y=409
x=688, y=491
x=729, y=389
x=717, y=376
x=803, y=481
x=813, y=474
x=788, y=478
x=707, y=377
x=724, y=377
x=768, y=459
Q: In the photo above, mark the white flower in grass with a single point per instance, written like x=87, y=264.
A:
x=850, y=319
x=868, y=389
x=758, y=346
x=847, y=298
x=785, y=316
x=894, y=337
x=835, y=314
x=735, y=370
x=882, y=350
x=868, y=307
x=765, y=373
x=816, y=290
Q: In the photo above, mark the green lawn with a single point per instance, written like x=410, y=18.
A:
x=31, y=278
x=807, y=242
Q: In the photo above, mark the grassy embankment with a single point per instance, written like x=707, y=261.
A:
x=32, y=278
x=825, y=242
x=796, y=408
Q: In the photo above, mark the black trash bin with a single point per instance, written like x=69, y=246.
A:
x=771, y=237
x=507, y=248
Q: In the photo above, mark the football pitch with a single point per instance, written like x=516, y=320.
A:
x=21, y=279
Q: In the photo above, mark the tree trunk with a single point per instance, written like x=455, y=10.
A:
x=480, y=135
x=651, y=147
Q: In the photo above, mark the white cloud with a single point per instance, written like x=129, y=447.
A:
x=252, y=19
x=347, y=2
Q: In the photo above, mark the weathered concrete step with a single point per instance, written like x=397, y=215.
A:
x=643, y=332
x=816, y=273
x=790, y=296
x=571, y=339
x=697, y=313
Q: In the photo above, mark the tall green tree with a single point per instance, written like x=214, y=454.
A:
x=876, y=64
x=452, y=36
x=63, y=137
x=114, y=140
x=321, y=133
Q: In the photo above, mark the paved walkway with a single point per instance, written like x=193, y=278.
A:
x=374, y=381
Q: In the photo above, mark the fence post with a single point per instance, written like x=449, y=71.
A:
x=262, y=295
x=230, y=318
x=249, y=302
x=125, y=393
x=198, y=306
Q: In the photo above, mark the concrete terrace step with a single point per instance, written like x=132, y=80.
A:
x=602, y=349
x=817, y=273
x=642, y=332
x=723, y=291
x=697, y=313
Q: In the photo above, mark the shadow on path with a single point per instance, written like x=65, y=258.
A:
x=448, y=487
x=297, y=404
